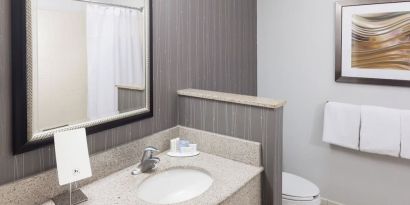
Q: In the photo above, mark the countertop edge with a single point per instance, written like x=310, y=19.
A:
x=233, y=98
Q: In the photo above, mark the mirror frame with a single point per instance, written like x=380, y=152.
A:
x=20, y=91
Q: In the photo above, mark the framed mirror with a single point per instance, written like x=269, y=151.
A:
x=79, y=64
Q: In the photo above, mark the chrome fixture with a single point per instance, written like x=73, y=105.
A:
x=148, y=161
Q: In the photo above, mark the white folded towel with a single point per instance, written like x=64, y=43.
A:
x=342, y=124
x=405, y=134
x=380, y=130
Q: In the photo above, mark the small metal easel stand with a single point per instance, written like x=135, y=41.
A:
x=71, y=197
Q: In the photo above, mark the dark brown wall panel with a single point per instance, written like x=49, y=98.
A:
x=205, y=44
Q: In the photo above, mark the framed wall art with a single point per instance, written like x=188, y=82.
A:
x=373, y=42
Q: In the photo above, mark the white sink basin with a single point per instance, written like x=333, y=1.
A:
x=174, y=185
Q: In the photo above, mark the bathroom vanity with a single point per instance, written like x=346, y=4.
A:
x=233, y=164
x=234, y=173
x=230, y=179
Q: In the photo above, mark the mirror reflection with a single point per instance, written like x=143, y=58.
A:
x=89, y=60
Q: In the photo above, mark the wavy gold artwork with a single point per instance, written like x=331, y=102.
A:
x=381, y=41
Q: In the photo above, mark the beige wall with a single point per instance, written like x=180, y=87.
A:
x=62, y=68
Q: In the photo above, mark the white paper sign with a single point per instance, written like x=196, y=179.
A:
x=73, y=160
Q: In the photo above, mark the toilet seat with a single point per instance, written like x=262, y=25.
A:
x=296, y=188
x=295, y=198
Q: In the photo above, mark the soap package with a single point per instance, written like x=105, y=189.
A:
x=182, y=148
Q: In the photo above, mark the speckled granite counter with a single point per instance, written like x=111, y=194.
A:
x=229, y=177
x=233, y=98
x=42, y=187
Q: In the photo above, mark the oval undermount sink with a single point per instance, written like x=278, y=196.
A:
x=174, y=186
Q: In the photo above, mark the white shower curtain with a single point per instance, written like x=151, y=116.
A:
x=114, y=57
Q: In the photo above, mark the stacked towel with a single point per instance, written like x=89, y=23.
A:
x=342, y=124
x=380, y=130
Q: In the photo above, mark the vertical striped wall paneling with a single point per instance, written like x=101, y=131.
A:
x=204, y=44
x=247, y=122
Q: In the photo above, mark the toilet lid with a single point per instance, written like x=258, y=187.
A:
x=298, y=187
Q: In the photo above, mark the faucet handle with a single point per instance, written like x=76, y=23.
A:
x=151, y=149
x=148, y=153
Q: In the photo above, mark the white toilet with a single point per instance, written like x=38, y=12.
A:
x=299, y=191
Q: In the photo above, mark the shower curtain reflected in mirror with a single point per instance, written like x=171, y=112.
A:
x=115, y=56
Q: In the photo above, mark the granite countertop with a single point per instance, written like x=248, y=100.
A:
x=121, y=187
x=233, y=98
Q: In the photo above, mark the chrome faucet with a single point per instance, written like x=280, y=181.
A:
x=148, y=162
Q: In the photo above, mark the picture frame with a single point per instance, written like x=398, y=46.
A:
x=372, y=42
